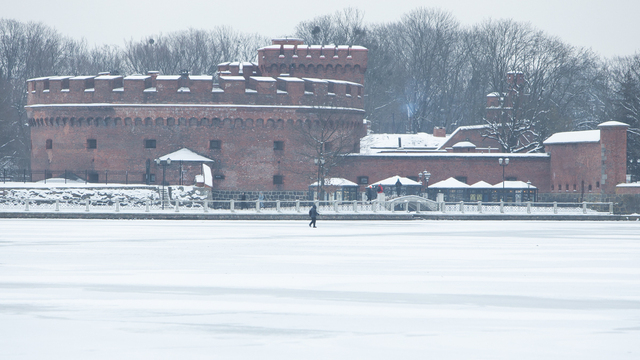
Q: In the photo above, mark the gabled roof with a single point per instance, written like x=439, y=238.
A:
x=449, y=184
x=185, y=154
x=336, y=182
x=514, y=185
x=481, y=185
x=392, y=181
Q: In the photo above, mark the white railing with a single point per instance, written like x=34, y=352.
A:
x=302, y=207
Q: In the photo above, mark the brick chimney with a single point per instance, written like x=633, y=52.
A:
x=439, y=132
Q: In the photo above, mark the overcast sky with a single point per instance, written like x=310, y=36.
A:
x=608, y=27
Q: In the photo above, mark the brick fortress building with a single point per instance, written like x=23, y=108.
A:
x=249, y=122
x=254, y=124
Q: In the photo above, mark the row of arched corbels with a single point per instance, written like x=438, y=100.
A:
x=312, y=69
x=348, y=72
x=229, y=123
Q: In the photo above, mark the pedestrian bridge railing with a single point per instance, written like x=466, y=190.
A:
x=408, y=204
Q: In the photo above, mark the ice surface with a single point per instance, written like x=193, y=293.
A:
x=100, y=289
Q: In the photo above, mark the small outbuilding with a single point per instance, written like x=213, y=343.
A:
x=398, y=186
x=187, y=163
x=334, y=189
x=480, y=191
x=452, y=189
x=515, y=191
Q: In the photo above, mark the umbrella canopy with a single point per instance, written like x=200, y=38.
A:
x=392, y=181
x=482, y=185
x=336, y=182
x=185, y=154
x=515, y=185
x=450, y=183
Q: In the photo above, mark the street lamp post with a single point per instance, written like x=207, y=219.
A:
x=426, y=176
x=503, y=162
x=164, y=164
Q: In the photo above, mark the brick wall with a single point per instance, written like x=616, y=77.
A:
x=576, y=165
x=246, y=159
x=475, y=167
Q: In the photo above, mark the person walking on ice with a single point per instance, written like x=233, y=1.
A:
x=313, y=213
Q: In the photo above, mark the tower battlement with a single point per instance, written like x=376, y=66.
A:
x=291, y=56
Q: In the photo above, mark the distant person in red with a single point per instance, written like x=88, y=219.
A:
x=380, y=189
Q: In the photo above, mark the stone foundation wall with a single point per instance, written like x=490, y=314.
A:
x=622, y=204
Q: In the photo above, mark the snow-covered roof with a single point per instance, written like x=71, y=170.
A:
x=290, y=79
x=201, y=77
x=263, y=78
x=108, y=77
x=375, y=143
x=450, y=183
x=137, y=77
x=514, y=185
x=184, y=154
x=464, y=144
x=613, y=123
x=573, y=137
x=481, y=185
x=343, y=82
x=232, y=78
x=392, y=181
x=315, y=80
x=336, y=182
x=168, y=77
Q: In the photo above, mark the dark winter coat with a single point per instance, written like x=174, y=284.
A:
x=313, y=213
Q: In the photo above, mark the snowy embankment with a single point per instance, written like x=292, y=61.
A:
x=78, y=193
x=78, y=289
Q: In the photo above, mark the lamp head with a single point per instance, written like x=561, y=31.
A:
x=169, y=161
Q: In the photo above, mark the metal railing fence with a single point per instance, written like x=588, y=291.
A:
x=302, y=207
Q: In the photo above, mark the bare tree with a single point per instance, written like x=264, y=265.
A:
x=558, y=82
x=26, y=51
x=627, y=107
x=324, y=140
x=344, y=27
x=196, y=51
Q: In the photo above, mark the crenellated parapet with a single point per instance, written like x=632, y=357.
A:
x=288, y=73
x=292, y=57
x=199, y=89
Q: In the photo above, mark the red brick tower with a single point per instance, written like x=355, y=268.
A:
x=291, y=56
x=613, y=147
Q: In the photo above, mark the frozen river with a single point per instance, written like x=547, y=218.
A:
x=108, y=289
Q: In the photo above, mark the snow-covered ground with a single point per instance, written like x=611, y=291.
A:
x=106, y=289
